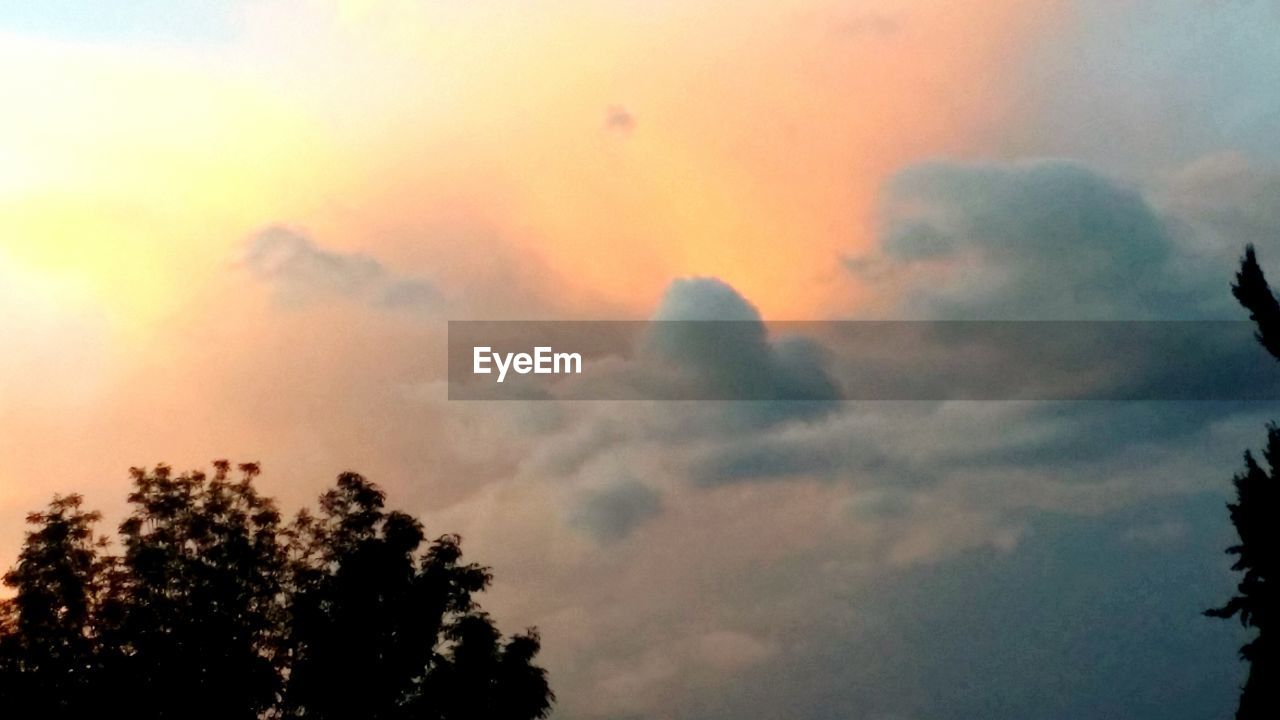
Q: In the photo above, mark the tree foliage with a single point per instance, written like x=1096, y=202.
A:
x=371, y=609
x=1254, y=515
x=1253, y=292
x=49, y=650
x=216, y=608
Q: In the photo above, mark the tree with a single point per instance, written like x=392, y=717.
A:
x=216, y=609
x=200, y=597
x=1253, y=514
x=48, y=651
x=370, y=611
x=1253, y=292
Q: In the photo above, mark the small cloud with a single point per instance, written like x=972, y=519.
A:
x=611, y=513
x=298, y=268
x=301, y=272
x=866, y=267
x=618, y=119
x=409, y=293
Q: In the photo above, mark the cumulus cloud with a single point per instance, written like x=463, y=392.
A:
x=897, y=516
x=705, y=342
x=888, y=515
x=301, y=271
x=733, y=354
x=1033, y=240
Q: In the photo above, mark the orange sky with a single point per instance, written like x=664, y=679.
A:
x=444, y=140
x=759, y=141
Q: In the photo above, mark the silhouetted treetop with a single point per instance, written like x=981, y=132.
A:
x=216, y=609
x=1253, y=292
x=49, y=634
x=1254, y=514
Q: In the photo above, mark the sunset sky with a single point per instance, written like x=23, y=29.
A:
x=238, y=228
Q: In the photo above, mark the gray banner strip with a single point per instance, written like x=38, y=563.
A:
x=858, y=360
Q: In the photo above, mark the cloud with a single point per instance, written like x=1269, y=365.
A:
x=706, y=659
x=1032, y=240
x=1052, y=629
x=611, y=512
x=911, y=527
x=704, y=299
x=706, y=329
x=830, y=535
x=302, y=272
x=1225, y=200
x=618, y=119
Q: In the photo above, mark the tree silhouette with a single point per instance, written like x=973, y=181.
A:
x=48, y=652
x=1253, y=292
x=200, y=601
x=1253, y=514
x=217, y=610
x=369, y=611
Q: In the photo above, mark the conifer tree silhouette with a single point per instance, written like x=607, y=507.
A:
x=1254, y=515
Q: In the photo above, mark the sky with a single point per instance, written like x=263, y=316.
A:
x=236, y=229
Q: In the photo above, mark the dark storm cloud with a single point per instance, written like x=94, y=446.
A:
x=301, y=271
